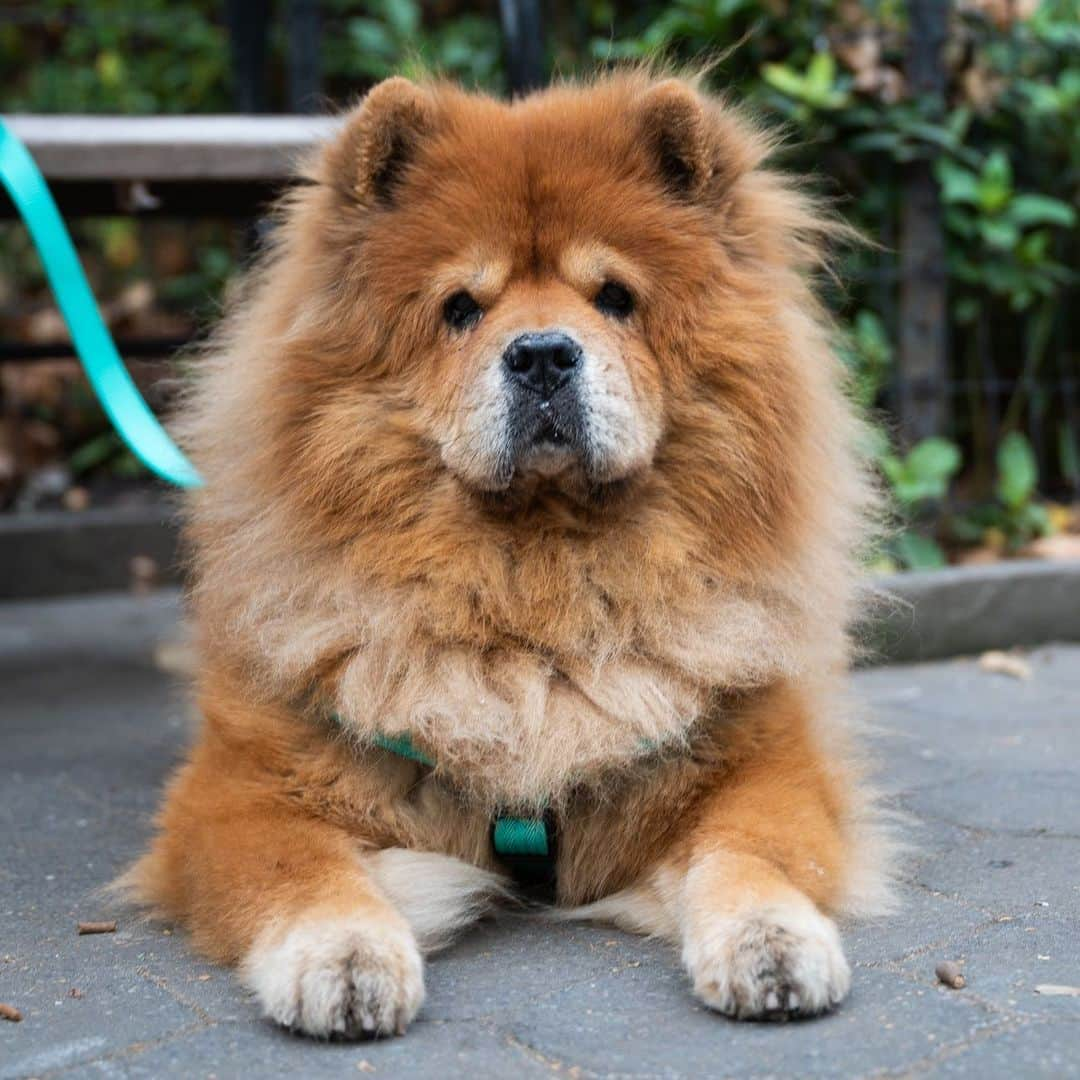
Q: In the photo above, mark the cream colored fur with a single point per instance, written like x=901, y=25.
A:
x=438, y=895
x=747, y=955
x=337, y=975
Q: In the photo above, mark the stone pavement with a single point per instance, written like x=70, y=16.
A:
x=988, y=767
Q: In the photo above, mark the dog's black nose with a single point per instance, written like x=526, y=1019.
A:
x=542, y=362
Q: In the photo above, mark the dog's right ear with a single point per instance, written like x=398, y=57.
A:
x=380, y=138
x=675, y=128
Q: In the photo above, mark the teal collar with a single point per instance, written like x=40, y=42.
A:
x=511, y=837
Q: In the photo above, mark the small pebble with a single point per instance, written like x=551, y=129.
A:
x=76, y=499
x=145, y=574
x=9, y=1012
x=950, y=975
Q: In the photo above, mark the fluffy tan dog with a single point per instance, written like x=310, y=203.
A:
x=525, y=442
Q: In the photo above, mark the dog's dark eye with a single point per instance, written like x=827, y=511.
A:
x=462, y=311
x=615, y=299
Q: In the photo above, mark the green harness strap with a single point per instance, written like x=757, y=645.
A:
x=510, y=836
x=521, y=836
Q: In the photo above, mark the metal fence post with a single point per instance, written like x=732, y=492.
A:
x=923, y=331
x=248, y=24
x=304, y=29
x=523, y=39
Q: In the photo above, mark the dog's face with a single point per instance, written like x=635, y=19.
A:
x=532, y=289
x=524, y=258
x=547, y=372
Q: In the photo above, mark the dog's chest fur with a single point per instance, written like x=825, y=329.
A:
x=520, y=725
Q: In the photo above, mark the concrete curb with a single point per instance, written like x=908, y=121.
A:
x=59, y=552
x=916, y=616
x=968, y=609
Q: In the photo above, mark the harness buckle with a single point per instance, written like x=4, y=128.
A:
x=528, y=849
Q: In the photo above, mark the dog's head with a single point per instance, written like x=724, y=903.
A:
x=533, y=289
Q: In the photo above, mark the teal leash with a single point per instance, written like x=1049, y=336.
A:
x=527, y=845
x=116, y=390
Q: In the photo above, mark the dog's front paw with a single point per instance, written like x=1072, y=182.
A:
x=772, y=964
x=346, y=976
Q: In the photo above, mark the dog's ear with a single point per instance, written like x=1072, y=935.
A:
x=676, y=129
x=380, y=138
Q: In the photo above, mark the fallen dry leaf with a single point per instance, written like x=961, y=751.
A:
x=1063, y=546
x=76, y=499
x=1002, y=12
x=1003, y=663
x=1050, y=990
x=9, y=1012
x=978, y=556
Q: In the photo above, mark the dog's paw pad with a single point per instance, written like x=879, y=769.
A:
x=775, y=965
x=338, y=976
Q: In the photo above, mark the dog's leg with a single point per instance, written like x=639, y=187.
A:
x=745, y=886
x=754, y=946
x=765, y=857
x=264, y=883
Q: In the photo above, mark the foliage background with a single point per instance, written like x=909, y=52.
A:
x=1005, y=148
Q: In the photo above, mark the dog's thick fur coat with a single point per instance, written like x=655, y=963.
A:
x=651, y=640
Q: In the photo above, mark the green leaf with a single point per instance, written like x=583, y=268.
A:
x=821, y=72
x=1003, y=235
x=372, y=37
x=924, y=474
x=1018, y=472
x=958, y=185
x=1033, y=520
x=403, y=17
x=1025, y=210
x=1068, y=453
x=815, y=88
x=889, y=141
x=93, y=453
x=892, y=467
x=995, y=183
x=934, y=459
x=918, y=552
x=782, y=78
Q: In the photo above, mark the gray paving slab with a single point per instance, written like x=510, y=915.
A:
x=986, y=767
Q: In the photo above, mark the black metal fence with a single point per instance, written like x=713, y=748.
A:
x=945, y=378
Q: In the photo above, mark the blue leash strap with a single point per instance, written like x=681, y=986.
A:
x=115, y=388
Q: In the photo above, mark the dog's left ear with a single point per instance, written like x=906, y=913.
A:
x=380, y=139
x=676, y=128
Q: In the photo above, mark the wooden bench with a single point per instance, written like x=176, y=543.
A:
x=178, y=165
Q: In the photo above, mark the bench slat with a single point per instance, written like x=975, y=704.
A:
x=177, y=148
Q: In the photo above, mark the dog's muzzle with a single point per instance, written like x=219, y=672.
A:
x=543, y=374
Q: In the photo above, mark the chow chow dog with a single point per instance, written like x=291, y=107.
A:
x=533, y=498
